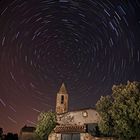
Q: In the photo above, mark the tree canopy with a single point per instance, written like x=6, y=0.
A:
x=46, y=123
x=120, y=111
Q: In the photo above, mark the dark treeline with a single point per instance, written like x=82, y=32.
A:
x=8, y=136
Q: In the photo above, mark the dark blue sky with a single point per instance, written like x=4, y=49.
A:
x=87, y=44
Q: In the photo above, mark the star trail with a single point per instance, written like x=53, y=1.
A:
x=87, y=44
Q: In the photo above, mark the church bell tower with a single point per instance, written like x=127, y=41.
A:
x=62, y=100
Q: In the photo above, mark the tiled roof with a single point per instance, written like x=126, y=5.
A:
x=70, y=128
x=28, y=129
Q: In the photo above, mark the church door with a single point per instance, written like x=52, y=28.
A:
x=76, y=137
x=66, y=137
x=70, y=136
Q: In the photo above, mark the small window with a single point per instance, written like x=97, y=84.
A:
x=85, y=114
x=62, y=99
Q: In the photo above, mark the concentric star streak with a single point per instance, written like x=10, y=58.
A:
x=88, y=44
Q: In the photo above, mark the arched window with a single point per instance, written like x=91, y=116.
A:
x=62, y=99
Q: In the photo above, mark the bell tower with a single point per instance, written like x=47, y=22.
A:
x=62, y=100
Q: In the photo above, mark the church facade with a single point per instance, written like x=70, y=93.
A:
x=73, y=125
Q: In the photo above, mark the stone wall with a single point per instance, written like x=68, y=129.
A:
x=27, y=136
x=86, y=136
x=105, y=138
x=80, y=117
x=83, y=136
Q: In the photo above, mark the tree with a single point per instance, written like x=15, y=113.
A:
x=1, y=133
x=46, y=123
x=9, y=136
x=120, y=112
x=15, y=136
x=103, y=107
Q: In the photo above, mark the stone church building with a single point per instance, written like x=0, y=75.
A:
x=74, y=125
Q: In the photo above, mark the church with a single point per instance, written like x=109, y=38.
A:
x=74, y=125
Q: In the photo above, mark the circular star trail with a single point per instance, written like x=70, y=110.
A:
x=87, y=44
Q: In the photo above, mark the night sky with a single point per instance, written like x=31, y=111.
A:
x=87, y=44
